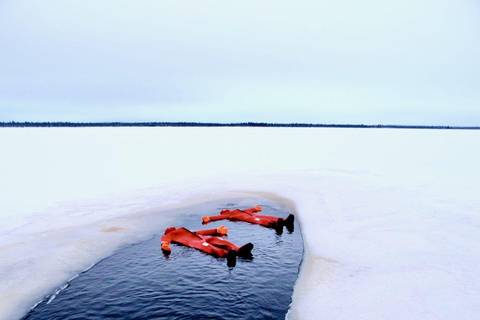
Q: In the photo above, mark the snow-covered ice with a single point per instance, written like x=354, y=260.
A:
x=390, y=218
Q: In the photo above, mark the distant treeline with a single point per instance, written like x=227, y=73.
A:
x=13, y=124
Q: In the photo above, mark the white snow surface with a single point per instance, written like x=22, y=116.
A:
x=390, y=218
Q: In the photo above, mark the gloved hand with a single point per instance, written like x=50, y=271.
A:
x=222, y=230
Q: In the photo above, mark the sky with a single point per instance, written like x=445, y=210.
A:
x=323, y=61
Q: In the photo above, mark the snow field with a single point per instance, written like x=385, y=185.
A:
x=390, y=218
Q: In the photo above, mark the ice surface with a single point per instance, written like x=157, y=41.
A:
x=390, y=218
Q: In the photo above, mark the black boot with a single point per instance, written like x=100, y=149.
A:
x=289, y=222
x=231, y=258
x=279, y=226
x=245, y=251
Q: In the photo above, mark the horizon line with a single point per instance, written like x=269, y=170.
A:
x=220, y=124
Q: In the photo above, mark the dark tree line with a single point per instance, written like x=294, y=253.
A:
x=13, y=124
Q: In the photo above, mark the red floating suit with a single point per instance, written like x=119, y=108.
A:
x=206, y=241
x=249, y=215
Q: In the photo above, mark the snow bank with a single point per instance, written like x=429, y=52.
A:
x=390, y=218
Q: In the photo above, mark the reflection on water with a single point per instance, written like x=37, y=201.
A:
x=139, y=282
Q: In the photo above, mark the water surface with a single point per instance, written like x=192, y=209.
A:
x=140, y=282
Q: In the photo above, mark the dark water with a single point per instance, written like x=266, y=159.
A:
x=139, y=282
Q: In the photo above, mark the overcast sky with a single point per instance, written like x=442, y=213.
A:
x=322, y=61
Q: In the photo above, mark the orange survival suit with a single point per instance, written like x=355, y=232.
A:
x=249, y=215
x=206, y=241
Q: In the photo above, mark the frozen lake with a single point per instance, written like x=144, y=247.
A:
x=390, y=218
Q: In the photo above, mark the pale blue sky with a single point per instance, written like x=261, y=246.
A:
x=390, y=62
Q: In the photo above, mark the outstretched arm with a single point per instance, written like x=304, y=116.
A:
x=253, y=210
x=214, y=218
x=213, y=232
x=224, y=214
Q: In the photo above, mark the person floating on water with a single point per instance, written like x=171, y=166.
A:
x=249, y=215
x=207, y=241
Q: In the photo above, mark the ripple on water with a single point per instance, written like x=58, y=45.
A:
x=139, y=282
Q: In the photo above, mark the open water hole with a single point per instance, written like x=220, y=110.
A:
x=140, y=282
